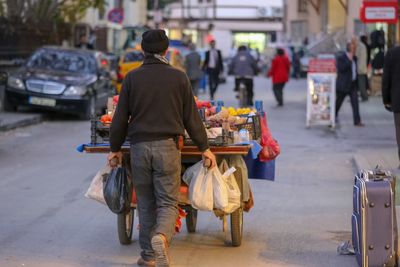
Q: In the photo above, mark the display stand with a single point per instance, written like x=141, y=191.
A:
x=321, y=92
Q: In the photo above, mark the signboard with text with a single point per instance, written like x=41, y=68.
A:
x=321, y=92
x=379, y=11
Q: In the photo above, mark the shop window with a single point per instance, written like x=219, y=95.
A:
x=302, y=6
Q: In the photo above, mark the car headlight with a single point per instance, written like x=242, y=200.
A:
x=75, y=90
x=15, y=83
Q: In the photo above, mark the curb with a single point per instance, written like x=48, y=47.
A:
x=359, y=163
x=31, y=120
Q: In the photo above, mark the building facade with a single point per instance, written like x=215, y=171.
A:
x=108, y=35
x=255, y=23
x=329, y=21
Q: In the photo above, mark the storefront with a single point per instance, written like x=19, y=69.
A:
x=254, y=40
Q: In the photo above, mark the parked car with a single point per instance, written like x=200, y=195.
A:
x=129, y=60
x=74, y=81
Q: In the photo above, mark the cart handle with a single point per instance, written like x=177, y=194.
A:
x=114, y=162
x=207, y=163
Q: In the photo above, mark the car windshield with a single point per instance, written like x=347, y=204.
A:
x=133, y=57
x=68, y=61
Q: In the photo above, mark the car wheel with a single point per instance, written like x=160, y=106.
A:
x=7, y=106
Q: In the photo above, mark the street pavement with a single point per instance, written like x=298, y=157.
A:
x=298, y=220
x=13, y=120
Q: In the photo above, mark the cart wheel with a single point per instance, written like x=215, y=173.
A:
x=191, y=219
x=237, y=215
x=125, y=226
x=237, y=227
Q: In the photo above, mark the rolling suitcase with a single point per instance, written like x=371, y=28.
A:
x=374, y=224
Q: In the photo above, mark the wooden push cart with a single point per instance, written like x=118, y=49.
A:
x=190, y=155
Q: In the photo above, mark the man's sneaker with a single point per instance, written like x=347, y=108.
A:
x=149, y=263
x=160, y=247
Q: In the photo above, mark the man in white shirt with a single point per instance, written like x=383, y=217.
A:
x=346, y=82
x=213, y=65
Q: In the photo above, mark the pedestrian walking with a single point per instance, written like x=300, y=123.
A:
x=391, y=88
x=155, y=107
x=213, y=65
x=346, y=81
x=193, y=68
x=364, y=40
x=244, y=67
x=362, y=68
x=279, y=72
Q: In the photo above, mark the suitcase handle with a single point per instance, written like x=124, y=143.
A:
x=378, y=174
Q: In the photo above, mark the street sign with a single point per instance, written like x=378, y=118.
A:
x=116, y=15
x=379, y=11
x=322, y=66
x=321, y=92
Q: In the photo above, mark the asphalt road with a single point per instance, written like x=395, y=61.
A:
x=298, y=220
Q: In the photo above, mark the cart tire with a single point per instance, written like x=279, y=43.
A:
x=237, y=215
x=191, y=219
x=237, y=227
x=125, y=226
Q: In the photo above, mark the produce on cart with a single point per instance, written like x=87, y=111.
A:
x=232, y=133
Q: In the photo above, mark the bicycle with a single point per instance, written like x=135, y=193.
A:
x=242, y=95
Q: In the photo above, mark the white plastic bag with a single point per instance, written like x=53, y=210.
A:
x=220, y=189
x=201, y=189
x=233, y=189
x=233, y=193
x=192, y=171
x=95, y=190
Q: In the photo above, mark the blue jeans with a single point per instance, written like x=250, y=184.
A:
x=156, y=168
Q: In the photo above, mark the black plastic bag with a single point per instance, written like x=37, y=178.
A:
x=118, y=190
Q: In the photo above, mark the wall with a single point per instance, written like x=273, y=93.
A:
x=223, y=40
x=336, y=15
x=353, y=14
x=311, y=18
x=135, y=12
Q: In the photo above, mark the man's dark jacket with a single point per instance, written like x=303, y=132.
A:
x=344, y=73
x=158, y=102
x=391, y=79
x=219, y=64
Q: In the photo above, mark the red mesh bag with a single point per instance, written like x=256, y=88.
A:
x=270, y=147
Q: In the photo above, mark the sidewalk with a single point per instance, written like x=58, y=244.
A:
x=376, y=143
x=13, y=120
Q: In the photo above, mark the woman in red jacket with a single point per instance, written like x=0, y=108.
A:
x=280, y=74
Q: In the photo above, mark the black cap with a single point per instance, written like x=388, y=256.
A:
x=154, y=41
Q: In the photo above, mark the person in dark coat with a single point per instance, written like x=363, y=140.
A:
x=192, y=67
x=244, y=67
x=213, y=65
x=346, y=82
x=391, y=88
x=155, y=106
x=279, y=72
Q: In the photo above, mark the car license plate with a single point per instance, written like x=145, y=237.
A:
x=42, y=101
